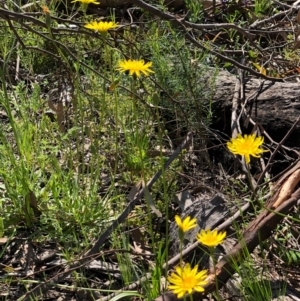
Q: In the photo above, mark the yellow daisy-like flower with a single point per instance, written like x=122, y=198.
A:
x=185, y=280
x=186, y=224
x=101, y=26
x=135, y=67
x=211, y=238
x=246, y=146
x=86, y=1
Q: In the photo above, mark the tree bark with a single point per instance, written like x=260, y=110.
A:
x=276, y=105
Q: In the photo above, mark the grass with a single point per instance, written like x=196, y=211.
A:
x=70, y=162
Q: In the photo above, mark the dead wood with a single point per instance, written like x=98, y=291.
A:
x=287, y=188
x=258, y=230
x=275, y=105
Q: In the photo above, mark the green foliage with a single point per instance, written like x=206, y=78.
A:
x=178, y=72
x=66, y=168
x=196, y=11
x=261, y=7
x=292, y=257
x=286, y=242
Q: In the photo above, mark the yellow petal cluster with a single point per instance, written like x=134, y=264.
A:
x=211, y=238
x=101, y=26
x=135, y=67
x=86, y=1
x=185, y=280
x=185, y=224
x=246, y=146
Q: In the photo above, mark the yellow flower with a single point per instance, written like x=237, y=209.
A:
x=246, y=146
x=186, y=224
x=185, y=280
x=101, y=26
x=135, y=67
x=86, y=1
x=211, y=238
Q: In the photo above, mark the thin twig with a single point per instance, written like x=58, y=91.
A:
x=274, y=17
x=186, y=27
x=274, y=153
x=235, y=126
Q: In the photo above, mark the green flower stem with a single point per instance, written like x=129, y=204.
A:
x=108, y=59
x=136, y=123
x=212, y=255
x=84, y=9
x=133, y=89
x=181, y=237
x=249, y=177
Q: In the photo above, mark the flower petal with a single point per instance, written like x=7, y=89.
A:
x=246, y=146
x=187, y=279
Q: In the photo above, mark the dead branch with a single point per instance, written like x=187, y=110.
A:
x=185, y=26
x=287, y=188
x=279, y=145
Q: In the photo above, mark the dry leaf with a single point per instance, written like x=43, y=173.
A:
x=8, y=269
x=3, y=240
x=134, y=190
x=32, y=200
x=298, y=17
x=297, y=41
x=59, y=111
x=150, y=202
x=60, y=116
x=138, y=242
x=51, y=105
x=261, y=69
x=157, y=153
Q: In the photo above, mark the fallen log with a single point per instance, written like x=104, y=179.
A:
x=275, y=105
